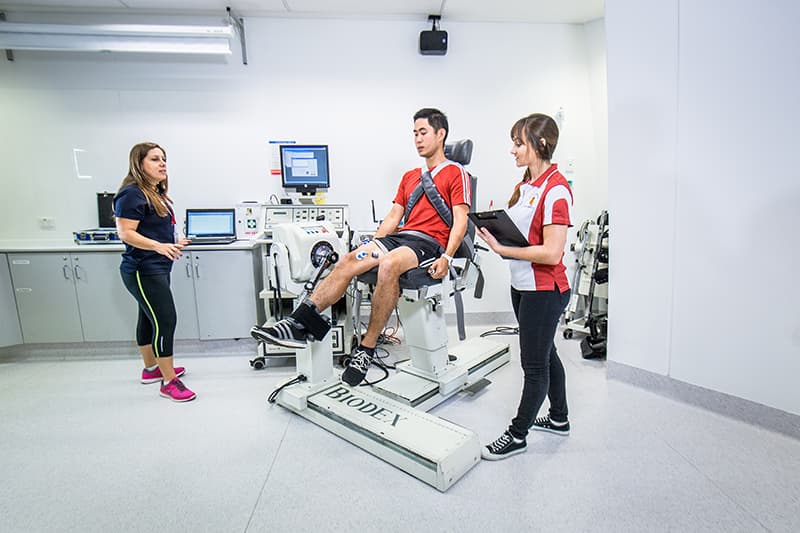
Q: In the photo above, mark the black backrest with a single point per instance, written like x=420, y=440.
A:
x=461, y=152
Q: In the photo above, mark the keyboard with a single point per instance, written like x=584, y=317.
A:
x=212, y=240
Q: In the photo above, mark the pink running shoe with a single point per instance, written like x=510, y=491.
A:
x=155, y=375
x=176, y=391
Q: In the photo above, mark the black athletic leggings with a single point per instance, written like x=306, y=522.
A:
x=537, y=314
x=157, y=316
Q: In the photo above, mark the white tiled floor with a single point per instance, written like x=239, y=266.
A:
x=85, y=447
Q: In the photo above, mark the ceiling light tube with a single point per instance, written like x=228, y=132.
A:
x=116, y=38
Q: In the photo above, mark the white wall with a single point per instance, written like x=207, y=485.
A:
x=642, y=115
x=352, y=84
x=702, y=116
x=597, y=194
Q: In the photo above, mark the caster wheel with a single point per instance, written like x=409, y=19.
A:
x=568, y=333
x=258, y=363
x=344, y=360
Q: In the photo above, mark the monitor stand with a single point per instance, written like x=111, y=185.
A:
x=307, y=200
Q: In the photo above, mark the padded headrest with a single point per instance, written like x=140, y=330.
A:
x=459, y=151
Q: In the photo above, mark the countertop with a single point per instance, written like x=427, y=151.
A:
x=71, y=246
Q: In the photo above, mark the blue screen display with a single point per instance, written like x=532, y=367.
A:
x=305, y=167
x=209, y=223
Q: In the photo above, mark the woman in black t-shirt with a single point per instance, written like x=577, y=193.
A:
x=146, y=224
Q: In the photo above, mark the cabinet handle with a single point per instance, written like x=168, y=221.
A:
x=78, y=272
x=197, y=270
x=188, y=270
x=65, y=270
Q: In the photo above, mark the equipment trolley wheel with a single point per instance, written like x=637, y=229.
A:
x=568, y=333
x=258, y=363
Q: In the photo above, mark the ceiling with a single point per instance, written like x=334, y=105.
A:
x=530, y=11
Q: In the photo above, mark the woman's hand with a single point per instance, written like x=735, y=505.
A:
x=183, y=241
x=488, y=238
x=167, y=249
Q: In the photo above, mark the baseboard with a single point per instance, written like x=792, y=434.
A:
x=718, y=402
x=122, y=350
x=481, y=319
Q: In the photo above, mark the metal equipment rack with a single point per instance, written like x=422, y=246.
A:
x=587, y=311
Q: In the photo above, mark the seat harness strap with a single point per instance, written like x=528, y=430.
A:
x=428, y=188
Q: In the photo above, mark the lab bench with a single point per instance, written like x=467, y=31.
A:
x=65, y=292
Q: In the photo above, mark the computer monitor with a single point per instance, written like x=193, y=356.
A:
x=210, y=223
x=304, y=168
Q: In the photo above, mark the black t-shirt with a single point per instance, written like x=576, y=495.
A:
x=130, y=202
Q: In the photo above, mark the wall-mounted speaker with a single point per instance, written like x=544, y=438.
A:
x=433, y=42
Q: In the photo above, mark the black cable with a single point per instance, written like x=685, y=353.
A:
x=501, y=330
x=383, y=367
x=299, y=379
x=381, y=353
x=383, y=357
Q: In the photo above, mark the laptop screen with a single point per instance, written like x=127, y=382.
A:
x=210, y=223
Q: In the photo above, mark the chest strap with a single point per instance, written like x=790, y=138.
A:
x=428, y=188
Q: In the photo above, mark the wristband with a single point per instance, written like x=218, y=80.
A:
x=448, y=257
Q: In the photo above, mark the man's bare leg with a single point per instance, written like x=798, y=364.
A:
x=384, y=300
x=387, y=291
x=332, y=287
x=294, y=331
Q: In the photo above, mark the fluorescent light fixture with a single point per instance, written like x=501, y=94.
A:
x=213, y=40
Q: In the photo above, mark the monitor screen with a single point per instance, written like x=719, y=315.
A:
x=210, y=222
x=304, y=168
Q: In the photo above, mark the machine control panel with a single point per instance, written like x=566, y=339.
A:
x=337, y=215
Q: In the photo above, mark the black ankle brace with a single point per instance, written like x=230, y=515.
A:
x=315, y=323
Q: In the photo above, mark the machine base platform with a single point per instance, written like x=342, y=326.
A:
x=473, y=362
x=429, y=448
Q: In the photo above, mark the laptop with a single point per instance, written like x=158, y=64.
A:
x=211, y=226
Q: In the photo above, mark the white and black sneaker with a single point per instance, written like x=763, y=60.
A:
x=358, y=365
x=506, y=445
x=286, y=332
x=545, y=424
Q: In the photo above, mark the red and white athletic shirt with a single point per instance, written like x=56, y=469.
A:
x=452, y=182
x=545, y=201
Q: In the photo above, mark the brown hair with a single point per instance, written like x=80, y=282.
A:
x=156, y=198
x=539, y=132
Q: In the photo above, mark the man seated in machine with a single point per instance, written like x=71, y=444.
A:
x=424, y=240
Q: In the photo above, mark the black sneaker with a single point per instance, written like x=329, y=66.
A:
x=545, y=424
x=506, y=445
x=284, y=332
x=357, y=367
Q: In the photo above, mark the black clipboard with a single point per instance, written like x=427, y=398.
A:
x=500, y=225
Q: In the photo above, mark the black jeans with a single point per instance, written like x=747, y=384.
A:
x=537, y=314
x=157, y=316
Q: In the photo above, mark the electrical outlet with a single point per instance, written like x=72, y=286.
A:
x=47, y=222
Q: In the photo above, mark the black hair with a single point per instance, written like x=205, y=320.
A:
x=436, y=119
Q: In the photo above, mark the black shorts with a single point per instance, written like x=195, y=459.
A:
x=427, y=250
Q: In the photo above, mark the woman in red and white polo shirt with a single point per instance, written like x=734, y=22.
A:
x=541, y=207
